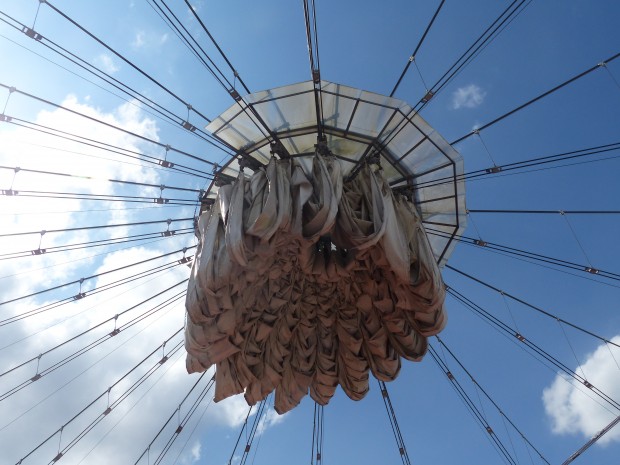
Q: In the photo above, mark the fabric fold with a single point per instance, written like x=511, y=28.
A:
x=303, y=282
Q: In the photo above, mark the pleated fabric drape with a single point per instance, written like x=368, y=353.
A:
x=303, y=282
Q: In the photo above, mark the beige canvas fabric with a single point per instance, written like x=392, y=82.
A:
x=303, y=282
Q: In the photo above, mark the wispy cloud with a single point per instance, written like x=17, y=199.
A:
x=571, y=410
x=106, y=63
x=470, y=96
x=139, y=40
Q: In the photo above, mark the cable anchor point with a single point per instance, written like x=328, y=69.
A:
x=167, y=232
x=39, y=250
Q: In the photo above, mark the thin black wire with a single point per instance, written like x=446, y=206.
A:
x=185, y=36
x=84, y=279
x=110, y=125
x=524, y=253
x=596, y=150
x=129, y=62
x=489, y=34
x=253, y=430
x=104, y=198
x=514, y=14
x=533, y=307
x=109, y=147
x=398, y=437
x=206, y=30
x=265, y=129
x=107, y=391
x=82, y=350
x=101, y=226
x=96, y=326
x=417, y=48
x=100, y=243
x=532, y=346
x=164, y=113
x=490, y=399
x=94, y=178
x=183, y=422
x=547, y=212
x=473, y=409
x=535, y=99
x=69, y=381
x=512, y=336
x=112, y=285
x=243, y=427
x=135, y=386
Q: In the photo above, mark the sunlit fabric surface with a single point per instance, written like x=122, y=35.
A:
x=303, y=282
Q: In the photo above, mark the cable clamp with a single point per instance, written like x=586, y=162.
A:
x=31, y=33
x=494, y=169
x=316, y=76
x=5, y=118
x=411, y=58
x=234, y=94
x=480, y=242
x=167, y=232
x=189, y=126
x=429, y=95
x=602, y=64
x=520, y=337
x=587, y=384
x=591, y=270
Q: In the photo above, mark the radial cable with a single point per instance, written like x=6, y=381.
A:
x=112, y=405
x=535, y=99
x=533, y=307
x=78, y=281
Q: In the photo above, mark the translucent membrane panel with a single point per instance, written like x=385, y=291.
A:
x=356, y=124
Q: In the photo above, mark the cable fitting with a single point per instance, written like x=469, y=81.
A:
x=32, y=33
x=428, y=96
x=189, y=126
x=316, y=76
x=234, y=94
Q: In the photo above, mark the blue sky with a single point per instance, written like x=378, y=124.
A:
x=364, y=45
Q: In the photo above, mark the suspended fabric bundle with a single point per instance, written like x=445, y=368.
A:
x=303, y=282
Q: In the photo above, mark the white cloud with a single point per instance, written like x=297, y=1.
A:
x=106, y=63
x=470, y=96
x=572, y=411
x=195, y=451
x=270, y=419
x=104, y=364
x=139, y=40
